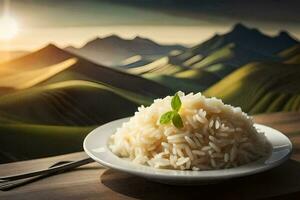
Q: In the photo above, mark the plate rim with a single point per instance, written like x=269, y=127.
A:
x=197, y=175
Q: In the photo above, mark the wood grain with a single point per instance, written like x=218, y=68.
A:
x=95, y=182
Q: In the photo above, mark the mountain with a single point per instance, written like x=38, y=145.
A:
x=205, y=64
x=10, y=55
x=248, y=38
x=112, y=50
x=44, y=57
x=32, y=68
x=239, y=46
x=261, y=87
x=52, y=64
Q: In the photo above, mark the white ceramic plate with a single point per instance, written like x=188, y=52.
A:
x=95, y=145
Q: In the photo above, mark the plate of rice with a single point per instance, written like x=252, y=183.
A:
x=188, y=139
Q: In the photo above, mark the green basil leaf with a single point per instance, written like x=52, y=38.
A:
x=177, y=121
x=176, y=102
x=166, y=117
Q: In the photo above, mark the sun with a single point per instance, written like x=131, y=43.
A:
x=8, y=28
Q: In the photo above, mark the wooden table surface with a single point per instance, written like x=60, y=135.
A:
x=94, y=182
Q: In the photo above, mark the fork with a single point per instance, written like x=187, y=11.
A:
x=10, y=182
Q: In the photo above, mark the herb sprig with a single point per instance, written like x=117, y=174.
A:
x=173, y=115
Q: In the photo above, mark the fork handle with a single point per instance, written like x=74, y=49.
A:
x=59, y=168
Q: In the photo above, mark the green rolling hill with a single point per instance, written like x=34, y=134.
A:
x=261, y=88
x=45, y=98
x=53, y=119
x=231, y=56
x=28, y=141
x=72, y=103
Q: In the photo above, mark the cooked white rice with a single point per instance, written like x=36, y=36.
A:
x=214, y=136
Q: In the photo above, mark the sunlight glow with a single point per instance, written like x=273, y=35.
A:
x=8, y=28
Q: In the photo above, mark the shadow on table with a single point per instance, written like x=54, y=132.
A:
x=282, y=180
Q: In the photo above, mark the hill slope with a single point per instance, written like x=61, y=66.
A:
x=52, y=64
x=289, y=52
x=46, y=56
x=261, y=87
x=74, y=103
x=22, y=79
x=54, y=119
x=291, y=55
x=36, y=141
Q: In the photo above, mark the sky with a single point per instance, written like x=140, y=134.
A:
x=74, y=22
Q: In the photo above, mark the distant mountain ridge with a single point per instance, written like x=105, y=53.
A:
x=249, y=38
x=219, y=56
x=112, y=50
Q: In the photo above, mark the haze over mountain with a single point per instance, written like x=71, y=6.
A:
x=112, y=50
